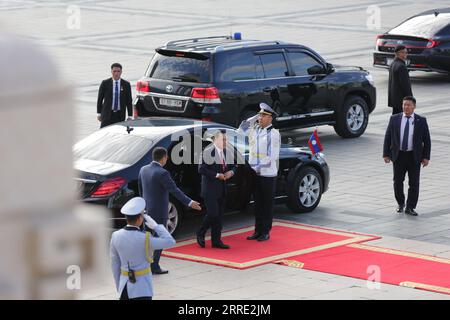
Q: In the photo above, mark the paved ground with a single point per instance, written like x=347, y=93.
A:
x=360, y=197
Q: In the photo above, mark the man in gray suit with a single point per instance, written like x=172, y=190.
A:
x=131, y=252
x=155, y=184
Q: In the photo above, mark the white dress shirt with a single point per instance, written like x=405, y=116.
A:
x=410, y=133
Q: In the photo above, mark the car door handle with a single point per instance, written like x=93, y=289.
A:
x=269, y=89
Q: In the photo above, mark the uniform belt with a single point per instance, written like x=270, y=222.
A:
x=137, y=272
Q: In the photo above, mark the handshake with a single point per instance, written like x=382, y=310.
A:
x=225, y=176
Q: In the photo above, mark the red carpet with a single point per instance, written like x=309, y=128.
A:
x=287, y=239
x=396, y=267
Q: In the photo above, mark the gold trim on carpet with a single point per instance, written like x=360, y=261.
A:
x=416, y=285
x=353, y=238
x=291, y=263
x=399, y=252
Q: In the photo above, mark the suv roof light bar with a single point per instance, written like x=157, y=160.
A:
x=194, y=40
x=247, y=44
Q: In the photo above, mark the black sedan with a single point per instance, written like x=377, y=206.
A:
x=108, y=161
x=426, y=37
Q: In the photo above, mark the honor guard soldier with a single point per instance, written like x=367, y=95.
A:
x=264, y=143
x=132, y=250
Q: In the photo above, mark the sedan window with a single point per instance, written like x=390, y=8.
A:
x=425, y=26
x=112, y=147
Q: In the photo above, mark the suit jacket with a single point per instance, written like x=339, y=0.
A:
x=105, y=99
x=155, y=184
x=212, y=187
x=421, y=138
x=128, y=246
x=399, y=84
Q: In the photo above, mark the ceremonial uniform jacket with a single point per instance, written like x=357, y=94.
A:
x=130, y=245
x=264, y=145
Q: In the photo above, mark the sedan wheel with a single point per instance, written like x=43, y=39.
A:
x=309, y=190
x=305, y=190
x=174, y=217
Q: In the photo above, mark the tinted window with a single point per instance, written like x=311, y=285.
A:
x=112, y=147
x=274, y=65
x=180, y=69
x=425, y=26
x=445, y=31
x=301, y=62
x=235, y=66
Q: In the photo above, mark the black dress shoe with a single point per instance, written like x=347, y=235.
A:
x=411, y=212
x=254, y=236
x=201, y=241
x=400, y=208
x=263, y=237
x=160, y=271
x=221, y=246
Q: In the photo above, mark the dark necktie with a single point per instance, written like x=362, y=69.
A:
x=223, y=161
x=116, y=97
x=406, y=135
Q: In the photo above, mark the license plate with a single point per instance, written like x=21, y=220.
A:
x=389, y=61
x=170, y=102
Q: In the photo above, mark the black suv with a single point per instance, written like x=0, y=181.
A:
x=223, y=79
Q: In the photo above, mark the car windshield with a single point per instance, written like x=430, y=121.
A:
x=112, y=147
x=426, y=26
x=183, y=69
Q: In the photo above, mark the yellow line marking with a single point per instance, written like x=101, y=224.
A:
x=417, y=285
x=401, y=253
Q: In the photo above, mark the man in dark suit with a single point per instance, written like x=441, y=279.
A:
x=407, y=143
x=155, y=184
x=215, y=171
x=114, y=96
x=399, y=82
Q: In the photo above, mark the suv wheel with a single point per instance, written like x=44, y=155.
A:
x=305, y=191
x=353, y=117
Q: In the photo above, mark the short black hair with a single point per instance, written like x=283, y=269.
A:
x=159, y=153
x=410, y=98
x=217, y=133
x=116, y=65
x=399, y=48
x=132, y=219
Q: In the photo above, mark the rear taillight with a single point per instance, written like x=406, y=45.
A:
x=108, y=187
x=142, y=86
x=379, y=41
x=205, y=95
x=432, y=43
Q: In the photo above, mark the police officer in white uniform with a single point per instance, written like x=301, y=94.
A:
x=264, y=144
x=132, y=251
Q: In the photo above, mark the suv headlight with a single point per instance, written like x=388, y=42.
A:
x=369, y=78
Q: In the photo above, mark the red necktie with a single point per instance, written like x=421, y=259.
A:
x=223, y=161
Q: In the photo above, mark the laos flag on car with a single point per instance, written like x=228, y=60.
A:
x=314, y=143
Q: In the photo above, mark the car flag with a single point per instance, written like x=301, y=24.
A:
x=314, y=143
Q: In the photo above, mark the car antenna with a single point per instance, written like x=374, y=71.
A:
x=129, y=129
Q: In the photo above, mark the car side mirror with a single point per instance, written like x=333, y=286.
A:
x=330, y=68
x=316, y=69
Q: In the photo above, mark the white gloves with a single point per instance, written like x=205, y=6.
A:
x=149, y=222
